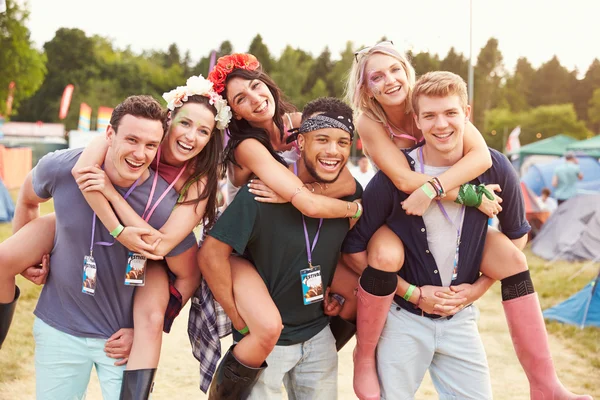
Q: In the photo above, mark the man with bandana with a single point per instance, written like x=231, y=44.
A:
x=296, y=257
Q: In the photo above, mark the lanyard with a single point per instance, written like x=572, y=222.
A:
x=162, y=196
x=149, y=214
x=94, y=220
x=309, y=248
x=443, y=210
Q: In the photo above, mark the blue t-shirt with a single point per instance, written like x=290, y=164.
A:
x=568, y=175
x=62, y=305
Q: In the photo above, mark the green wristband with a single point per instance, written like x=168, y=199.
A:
x=244, y=330
x=359, y=210
x=428, y=190
x=117, y=231
x=409, y=292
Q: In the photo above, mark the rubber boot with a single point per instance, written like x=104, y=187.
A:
x=6, y=315
x=530, y=339
x=233, y=380
x=371, y=315
x=342, y=331
x=137, y=384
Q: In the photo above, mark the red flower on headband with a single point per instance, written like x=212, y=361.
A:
x=228, y=63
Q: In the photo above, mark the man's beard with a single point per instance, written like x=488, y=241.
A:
x=313, y=172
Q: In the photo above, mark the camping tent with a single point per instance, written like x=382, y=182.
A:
x=7, y=207
x=533, y=210
x=591, y=147
x=553, y=146
x=581, y=309
x=540, y=175
x=572, y=232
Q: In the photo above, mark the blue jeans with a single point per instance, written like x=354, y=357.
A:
x=63, y=364
x=451, y=349
x=308, y=370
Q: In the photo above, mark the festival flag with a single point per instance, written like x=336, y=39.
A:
x=85, y=113
x=65, y=102
x=9, y=98
x=212, y=61
x=513, y=143
x=103, y=120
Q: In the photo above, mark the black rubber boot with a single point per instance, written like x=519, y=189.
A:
x=137, y=384
x=6, y=315
x=233, y=380
x=342, y=331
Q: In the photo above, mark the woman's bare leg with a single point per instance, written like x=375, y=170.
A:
x=251, y=294
x=501, y=258
x=385, y=250
x=149, y=307
x=22, y=250
x=187, y=273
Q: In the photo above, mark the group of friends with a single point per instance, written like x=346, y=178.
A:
x=303, y=257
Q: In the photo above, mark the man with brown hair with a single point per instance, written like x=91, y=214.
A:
x=74, y=320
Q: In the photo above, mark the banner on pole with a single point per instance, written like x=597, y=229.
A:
x=65, y=102
x=85, y=114
x=104, y=114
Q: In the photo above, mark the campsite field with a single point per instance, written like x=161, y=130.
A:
x=577, y=352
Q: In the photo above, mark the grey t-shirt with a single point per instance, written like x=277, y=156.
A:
x=441, y=233
x=62, y=305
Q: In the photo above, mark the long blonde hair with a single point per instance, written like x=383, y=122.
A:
x=356, y=89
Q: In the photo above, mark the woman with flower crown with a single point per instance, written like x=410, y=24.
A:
x=189, y=158
x=259, y=147
x=379, y=89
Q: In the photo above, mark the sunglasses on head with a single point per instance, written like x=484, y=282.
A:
x=366, y=49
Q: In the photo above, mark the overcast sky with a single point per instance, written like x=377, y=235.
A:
x=533, y=28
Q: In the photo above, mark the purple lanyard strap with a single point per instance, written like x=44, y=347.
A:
x=309, y=248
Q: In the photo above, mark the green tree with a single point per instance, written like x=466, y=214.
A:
x=499, y=122
x=261, y=51
x=488, y=75
x=551, y=84
x=19, y=61
x=319, y=89
x=424, y=62
x=594, y=111
x=71, y=60
x=457, y=63
x=290, y=74
x=517, y=89
x=338, y=76
x=319, y=70
x=551, y=120
x=584, y=89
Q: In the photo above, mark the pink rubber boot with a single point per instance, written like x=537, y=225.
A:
x=528, y=332
x=371, y=314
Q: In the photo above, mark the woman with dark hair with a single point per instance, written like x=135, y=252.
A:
x=261, y=147
x=189, y=158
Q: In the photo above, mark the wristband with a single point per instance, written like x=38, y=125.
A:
x=359, y=211
x=409, y=292
x=340, y=299
x=244, y=330
x=428, y=191
x=117, y=231
x=442, y=192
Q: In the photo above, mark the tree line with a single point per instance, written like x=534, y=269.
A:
x=545, y=101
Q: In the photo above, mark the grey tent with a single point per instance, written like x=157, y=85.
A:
x=572, y=232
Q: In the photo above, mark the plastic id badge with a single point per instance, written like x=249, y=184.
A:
x=312, y=285
x=88, y=285
x=135, y=273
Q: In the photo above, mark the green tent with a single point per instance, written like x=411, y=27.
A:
x=590, y=147
x=552, y=146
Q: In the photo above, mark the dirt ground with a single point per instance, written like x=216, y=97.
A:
x=178, y=373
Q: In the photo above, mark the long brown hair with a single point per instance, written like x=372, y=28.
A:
x=240, y=130
x=208, y=163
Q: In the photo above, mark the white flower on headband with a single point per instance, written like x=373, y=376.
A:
x=197, y=85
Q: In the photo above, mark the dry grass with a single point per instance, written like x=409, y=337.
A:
x=577, y=352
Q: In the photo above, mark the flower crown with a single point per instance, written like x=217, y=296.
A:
x=197, y=85
x=228, y=63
